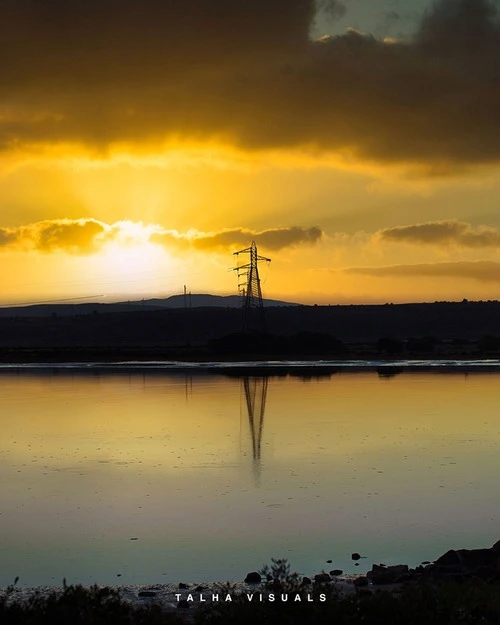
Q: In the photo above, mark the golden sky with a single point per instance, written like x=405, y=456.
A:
x=358, y=143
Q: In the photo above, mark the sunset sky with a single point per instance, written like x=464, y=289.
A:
x=144, y=141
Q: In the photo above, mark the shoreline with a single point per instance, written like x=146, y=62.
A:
x=454, y=565
x=451, y=583
x=253, y=367
x=185, y=600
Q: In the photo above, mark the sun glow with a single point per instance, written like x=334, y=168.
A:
x=130, y=262
x=137, y=266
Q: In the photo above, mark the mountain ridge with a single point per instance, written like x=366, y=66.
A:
x=194, y=300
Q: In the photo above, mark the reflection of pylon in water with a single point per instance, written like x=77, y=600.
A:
x=253, y=305
x=255, y=395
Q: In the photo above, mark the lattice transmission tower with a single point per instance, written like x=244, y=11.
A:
x=253, y=307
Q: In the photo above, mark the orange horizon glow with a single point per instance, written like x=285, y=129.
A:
x=365, y=165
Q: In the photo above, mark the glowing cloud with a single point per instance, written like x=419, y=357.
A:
x=81, y=236
x=442, y=233
x=87, y=236
x=481, y=270
x=273, y=239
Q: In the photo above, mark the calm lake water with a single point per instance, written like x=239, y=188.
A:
x=156, y=477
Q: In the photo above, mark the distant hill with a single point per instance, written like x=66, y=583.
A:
x=199, y=300
x=203, y=300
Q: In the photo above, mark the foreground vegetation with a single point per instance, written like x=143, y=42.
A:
x=418, y=603
x=77, y=605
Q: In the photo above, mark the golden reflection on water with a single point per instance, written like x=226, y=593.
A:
x=215, y=475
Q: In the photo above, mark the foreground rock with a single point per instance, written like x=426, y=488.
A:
x=253, y=578
x=389, y=574
x=321, y=578
x=454, y=565
x=462, y=563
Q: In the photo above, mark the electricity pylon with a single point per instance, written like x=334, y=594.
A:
x=253, y=306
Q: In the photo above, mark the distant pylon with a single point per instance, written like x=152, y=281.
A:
x=253, y=306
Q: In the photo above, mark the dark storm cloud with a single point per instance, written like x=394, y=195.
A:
x=333, y=9
x=444, y=232
x=464, y=27
x=482, y=270
x=104, y=71
x=392, y=16
x=274, y=239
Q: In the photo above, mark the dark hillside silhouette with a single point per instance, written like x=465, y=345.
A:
x=194, y=300
x=389, y=329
